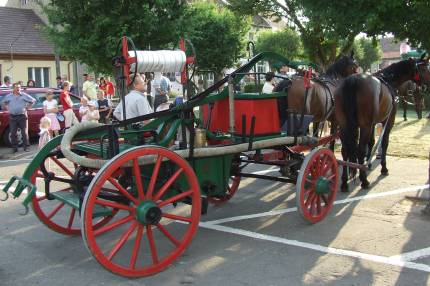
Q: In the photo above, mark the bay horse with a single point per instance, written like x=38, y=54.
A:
x=320, y=100
x=361, y=101
x=410, y=93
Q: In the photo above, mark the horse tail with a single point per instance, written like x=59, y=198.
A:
x=349, y=90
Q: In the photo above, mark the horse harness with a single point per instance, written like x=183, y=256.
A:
x=324, y=82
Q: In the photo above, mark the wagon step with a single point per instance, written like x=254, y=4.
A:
x=72, y=199
x=21, y=186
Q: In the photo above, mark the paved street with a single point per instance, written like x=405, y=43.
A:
x=371, y=237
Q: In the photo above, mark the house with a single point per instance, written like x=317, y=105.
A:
x=24, y=53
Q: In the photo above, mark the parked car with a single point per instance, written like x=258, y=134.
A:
x=34, y=113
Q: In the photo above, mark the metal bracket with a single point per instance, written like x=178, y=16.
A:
x=22, y=185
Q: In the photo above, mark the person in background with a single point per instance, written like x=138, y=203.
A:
x=164, y=105
x=6, y=82
x=110, y=89
x=97, y=83
x=102, y=85
x=50, y=108
x=31, y=83
x=69, y=116
x=17, y=104
x=161, y=87
x=269, y=84
x=83, y=109
x=59, y=82
x=92, y=113
x=72, y=86
x=136, y=103
x=105, y=108
x=45, y=131
x=282, y=74
x=89, y=87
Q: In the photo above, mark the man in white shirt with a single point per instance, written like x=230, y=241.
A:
x=136, y=103
x=89, y=88
x=6, y=82
x=268, y=85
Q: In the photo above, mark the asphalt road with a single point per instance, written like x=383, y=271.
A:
x=372, y=237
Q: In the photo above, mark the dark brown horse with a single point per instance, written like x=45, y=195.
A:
x=411, y=93
x=320, y=101
x=362, y=101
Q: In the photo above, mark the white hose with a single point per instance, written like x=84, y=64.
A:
x=198, y=152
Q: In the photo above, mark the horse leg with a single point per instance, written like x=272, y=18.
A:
x=333, y=129
x=370, y=146
x=344, y=186
x=405, y=107
x=418, y=105
x=385, y=141
x=363, y=152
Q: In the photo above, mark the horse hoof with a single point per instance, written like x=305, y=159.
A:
x=365, y=185
x=405, y=119
x=384, y=172
x=344, y=189
x=369, y=166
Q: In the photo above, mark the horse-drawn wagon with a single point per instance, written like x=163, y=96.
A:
x=136, y=195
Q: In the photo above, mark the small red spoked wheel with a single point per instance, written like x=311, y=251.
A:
x=233, y=186
x=55, y=214
x=152, y=229
x=317, y=184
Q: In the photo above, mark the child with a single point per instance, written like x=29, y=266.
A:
x=92, y=114
x=50, y=108
x=105, y=108
x=83, y=109
x=44, y=134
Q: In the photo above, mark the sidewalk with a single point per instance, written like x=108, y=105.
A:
x=6, y=153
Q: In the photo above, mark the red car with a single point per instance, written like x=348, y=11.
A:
x=34, y=113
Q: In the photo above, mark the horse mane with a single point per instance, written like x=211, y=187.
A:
x=337, y=68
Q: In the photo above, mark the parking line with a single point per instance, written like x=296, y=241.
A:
x=412, y=255
x=316, y=247
x=338, y=202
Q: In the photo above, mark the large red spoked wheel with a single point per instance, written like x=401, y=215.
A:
x=233, y=186
x=152, y=229
x=317, y=184
x=55, y=214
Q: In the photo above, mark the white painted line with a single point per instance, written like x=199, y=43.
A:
x=4, y=162
x=412, y=255
x=265, y=171
x=320, y=248
x=344, y=201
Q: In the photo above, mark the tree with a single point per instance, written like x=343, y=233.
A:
x=367, y=51
x=286, y=43
x=89, y=31
x=328, y=28
x=217, y=35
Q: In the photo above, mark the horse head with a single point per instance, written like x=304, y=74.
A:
x=421, y=71
x=343, y=67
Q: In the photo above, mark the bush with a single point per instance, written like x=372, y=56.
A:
x=253, y=88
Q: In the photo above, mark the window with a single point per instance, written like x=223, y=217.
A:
x=40, y=76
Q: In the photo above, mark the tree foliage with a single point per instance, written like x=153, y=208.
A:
x=367, y=51
x=285, y=42
x=89, y=31
x=328, y=28
x=217, y=35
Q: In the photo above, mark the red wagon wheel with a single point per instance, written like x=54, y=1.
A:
x=233, y=186
x=317, y=184
x=55, y=214
x=152, y=229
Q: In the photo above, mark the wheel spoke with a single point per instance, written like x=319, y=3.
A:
x=168, y=235
x=41, y=198
x=61, y=165
x=177, y=217
x=137, y=175
x=331, y=177
x=312, y=205
x=136, y=247
x=175, y=198
x=113, y=225
x=324, y=199
x=327, y=168
x=71, y=218
x=323, y=162
x=318, y=203
x=154, y=177
x=152, y=244
x=120, y=243
x=123, y=191
x=113, y=205
x=161, y=192
x=55, y=211
x=309, y=199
